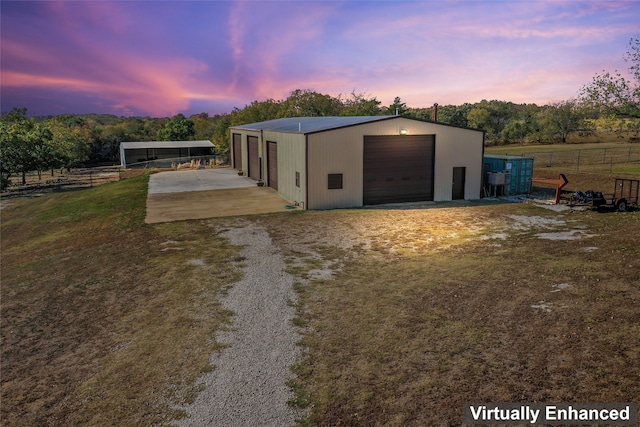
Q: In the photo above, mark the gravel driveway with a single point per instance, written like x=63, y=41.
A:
x=248, y=384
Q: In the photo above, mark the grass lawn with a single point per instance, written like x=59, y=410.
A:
x=405, y=313
x=105, y=320
x=463, y=304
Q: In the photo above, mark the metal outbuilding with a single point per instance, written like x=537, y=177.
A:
x=344, y=162
x=144, y=151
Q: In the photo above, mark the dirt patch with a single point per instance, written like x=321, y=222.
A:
x=213, y=203
x=565, y=235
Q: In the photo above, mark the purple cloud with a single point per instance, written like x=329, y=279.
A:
x=163, y=57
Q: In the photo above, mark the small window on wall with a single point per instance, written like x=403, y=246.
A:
x=298, y=179
x=335, y=181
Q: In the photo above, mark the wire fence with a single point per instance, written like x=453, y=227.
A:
x=596, y=160
x=61, y=179
x=195, y=162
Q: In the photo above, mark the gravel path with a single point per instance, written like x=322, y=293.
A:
x=248, y=384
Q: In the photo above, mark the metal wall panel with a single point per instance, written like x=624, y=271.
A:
x=272, y=164
x=254, y=157
x=341, y=151
x=291, y=159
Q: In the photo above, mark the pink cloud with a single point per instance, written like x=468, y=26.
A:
x=262, y=54
x=164, y=57
x=157, y=86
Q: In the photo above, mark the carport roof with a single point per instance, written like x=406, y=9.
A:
x=165, y=144
x=307, y=125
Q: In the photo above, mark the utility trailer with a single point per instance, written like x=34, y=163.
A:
x=625, y=196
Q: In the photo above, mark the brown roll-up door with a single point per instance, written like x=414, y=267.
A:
x=272, y=163
x=398, y=168
x=254, y=159
x=237, y=151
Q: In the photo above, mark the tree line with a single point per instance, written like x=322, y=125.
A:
x=609, y=103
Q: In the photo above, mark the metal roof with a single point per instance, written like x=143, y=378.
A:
x=165, y=144
x=505, y=156
x=306, y=125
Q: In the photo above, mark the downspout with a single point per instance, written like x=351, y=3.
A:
x=263, y=154
x=482, y=165
x=306, y=172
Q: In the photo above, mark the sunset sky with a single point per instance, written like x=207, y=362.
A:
x=160, y=58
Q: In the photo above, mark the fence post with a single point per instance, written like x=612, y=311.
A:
x=578, y=165
x=611, y=166
x=91, y=179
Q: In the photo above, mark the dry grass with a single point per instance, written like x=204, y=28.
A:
x=431, y=314
x=105, y=320
x=407, y=313
x=587, y=166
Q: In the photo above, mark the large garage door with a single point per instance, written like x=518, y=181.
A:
x=398, y=168
x=254, y=160
x=237, y=151
x=272, y=162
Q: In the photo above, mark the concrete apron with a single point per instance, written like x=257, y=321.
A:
x=207, y=193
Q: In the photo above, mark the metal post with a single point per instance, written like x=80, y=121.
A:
x=578, y=166
x=611, y=166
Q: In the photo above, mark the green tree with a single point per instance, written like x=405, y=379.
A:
x=359, y=104
x=308, y=103
x=221, y=134
x=523, y=124
x=24, y=145
x=561, y=119
x=398, y=108
x=491, y=116
x=613, y=94
x=454, y=114
x=178, y=128
x=204, y=126
x=71, y=140
x=257, y=111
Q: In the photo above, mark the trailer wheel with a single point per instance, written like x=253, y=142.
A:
x=621, y=205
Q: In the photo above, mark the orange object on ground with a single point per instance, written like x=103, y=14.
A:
x=559, y=183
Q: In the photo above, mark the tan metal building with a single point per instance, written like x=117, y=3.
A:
x=344, y=162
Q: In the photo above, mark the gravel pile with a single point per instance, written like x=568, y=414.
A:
x=248, y=384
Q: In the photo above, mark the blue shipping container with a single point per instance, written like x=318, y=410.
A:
x=520, y=170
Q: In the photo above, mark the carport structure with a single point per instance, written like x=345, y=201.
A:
x=144, y=151
x=343, y=162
